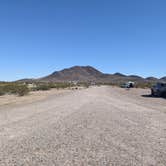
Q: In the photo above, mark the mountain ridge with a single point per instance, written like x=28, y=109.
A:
x=89, y=73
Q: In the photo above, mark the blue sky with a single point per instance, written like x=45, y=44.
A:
x=38, y=37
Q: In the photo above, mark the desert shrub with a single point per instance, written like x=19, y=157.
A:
x=21, y=90
x=2, y=92
x=42, y=87
x=13, y=88
x=10, y=88
x=144, y=85
x=62, y=85
x=84, y=84
x=48, y=86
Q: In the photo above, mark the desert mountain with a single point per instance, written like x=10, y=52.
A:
x=88, y=74
x=76, y=73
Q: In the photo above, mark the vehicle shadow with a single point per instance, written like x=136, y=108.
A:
x=150, y=96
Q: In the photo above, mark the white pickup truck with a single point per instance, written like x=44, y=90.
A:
x=159, y=90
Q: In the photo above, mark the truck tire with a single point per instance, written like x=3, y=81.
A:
x=152, y=92
x=164, y=94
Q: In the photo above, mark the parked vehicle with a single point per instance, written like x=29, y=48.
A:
x=128, y=85
x=159, y=90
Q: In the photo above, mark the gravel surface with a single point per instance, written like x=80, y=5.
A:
x=99, y=126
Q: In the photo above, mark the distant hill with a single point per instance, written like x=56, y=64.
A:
x=27, y=80
x=163, y=79
x=151, y=79
x=76, y=73
x=88, y=73
x=119, y=75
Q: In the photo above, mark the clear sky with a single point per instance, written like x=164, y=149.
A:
x=38, y=37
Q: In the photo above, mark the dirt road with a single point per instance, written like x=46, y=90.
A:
x=99, y=126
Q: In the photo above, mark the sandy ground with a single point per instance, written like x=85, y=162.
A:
x=99, y=126
x=8, y=100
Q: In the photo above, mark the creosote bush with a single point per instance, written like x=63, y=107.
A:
x=48, y=86
x=43, y=87
x=14, y=88
x=2, y=91
x=22, y=90
x=144, y=85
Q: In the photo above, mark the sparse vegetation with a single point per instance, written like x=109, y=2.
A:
x=13, y=88
x=2, y=91
x=21, y=89
x=48, y=86
x=63, y=85
x=144, y=85
x=83, y=84
x=43, y=87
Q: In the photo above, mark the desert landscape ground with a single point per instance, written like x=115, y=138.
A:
x=98, y=126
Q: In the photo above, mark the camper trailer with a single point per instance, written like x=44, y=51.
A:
x=129, y=84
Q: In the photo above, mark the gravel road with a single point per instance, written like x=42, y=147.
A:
x=99, y=126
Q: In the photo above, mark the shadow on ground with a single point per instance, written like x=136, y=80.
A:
x=150, y=96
